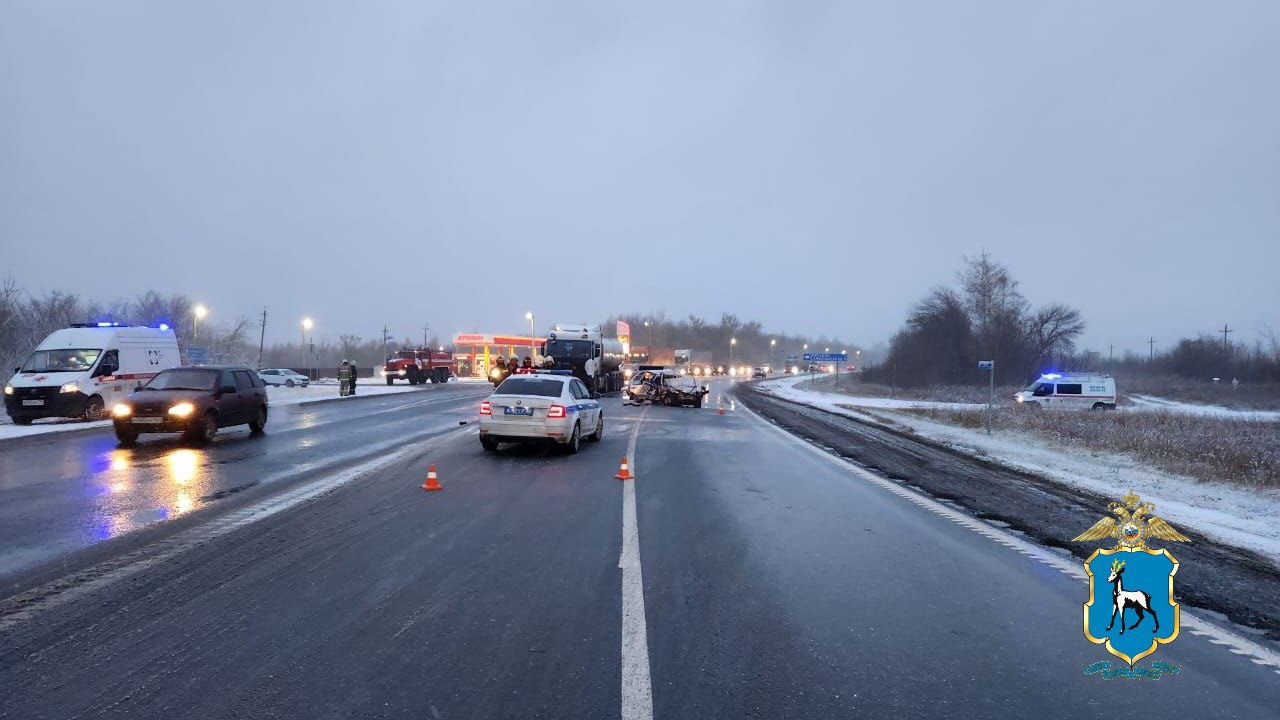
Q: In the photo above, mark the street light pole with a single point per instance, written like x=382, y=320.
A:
x=196, y=316
x=650, y=353
x=772, y=343
x=732, y=342
x=533, y=331
x=306, y=358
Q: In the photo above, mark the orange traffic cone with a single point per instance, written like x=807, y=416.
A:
x=432, y=483
x=721, y=409
x=624, y=473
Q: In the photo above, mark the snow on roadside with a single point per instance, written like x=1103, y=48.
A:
x=786, y=388
x=1147, y=402
x=1233, y=515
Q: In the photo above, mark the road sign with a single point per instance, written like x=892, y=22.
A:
x=986, y=364
x=826, y=357
x=195, y=355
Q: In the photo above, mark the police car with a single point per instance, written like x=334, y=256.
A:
x=545, y=405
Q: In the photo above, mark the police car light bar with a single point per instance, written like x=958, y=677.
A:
x=543, y=371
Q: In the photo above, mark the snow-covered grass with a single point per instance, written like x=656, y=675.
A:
x=1071, y=451
x=1146, y=402
x=798, y=387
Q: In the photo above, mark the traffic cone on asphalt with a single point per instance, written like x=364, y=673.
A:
x=624, y=473
x=432, y=483
x=721, y=409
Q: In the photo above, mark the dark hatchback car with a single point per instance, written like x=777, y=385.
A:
x=194, y=401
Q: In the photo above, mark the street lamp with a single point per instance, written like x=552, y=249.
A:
x=532, y=333
x=732, y=342
x=197, y=315
x=306, y=357
x=772, y=342
x=650, y=353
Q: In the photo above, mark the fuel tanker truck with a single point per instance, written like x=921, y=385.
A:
x=583, y=349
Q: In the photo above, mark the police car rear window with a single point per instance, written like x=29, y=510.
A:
x=545, y=387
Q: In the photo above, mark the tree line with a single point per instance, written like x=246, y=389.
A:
x=985, y=317
x=753, y=346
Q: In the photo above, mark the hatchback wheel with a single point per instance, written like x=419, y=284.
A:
x=126, y=435
x=204, y=430
x=260, y=422
x=288, y=383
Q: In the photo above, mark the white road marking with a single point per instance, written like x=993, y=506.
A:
x=25, y=606
x=1216, y=634
x=637, y=690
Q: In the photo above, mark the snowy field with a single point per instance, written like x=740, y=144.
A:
x=1242, y=517
x=1147, y=402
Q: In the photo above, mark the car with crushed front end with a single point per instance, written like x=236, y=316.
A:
x=194, y=401
x=549, y=406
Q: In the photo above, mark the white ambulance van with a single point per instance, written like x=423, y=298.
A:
x=80, y=370
x=1070, y=391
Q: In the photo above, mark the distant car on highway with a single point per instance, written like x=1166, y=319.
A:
x=542, y=406
x=758, y=372
x=195, y=401
x=285, y=377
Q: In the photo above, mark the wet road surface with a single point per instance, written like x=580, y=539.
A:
x=777, y=583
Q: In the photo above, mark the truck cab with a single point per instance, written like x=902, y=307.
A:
x=591, y=357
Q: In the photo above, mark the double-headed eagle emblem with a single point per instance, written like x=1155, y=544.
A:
x=1134, y=525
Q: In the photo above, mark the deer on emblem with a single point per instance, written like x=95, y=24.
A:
x=1122, y=600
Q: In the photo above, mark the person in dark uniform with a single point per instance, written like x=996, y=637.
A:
x=355, y=378
x=344, y=379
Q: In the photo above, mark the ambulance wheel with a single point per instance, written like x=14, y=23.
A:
x=93, y=408
x=1099, y=406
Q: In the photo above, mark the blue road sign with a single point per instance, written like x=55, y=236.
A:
x=986, y=364
x=826, y=357
x=195, y=355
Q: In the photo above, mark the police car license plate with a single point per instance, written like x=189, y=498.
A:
x=147, y=420
x=518, y=411
x=32, y=403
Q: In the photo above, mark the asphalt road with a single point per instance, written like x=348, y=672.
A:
x=777, y=583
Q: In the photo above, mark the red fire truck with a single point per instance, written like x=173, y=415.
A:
x=418, y=365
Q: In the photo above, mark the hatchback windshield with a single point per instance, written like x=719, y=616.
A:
x=544, y=387
x=569, y=348
x=60, y=360
x=183, y=379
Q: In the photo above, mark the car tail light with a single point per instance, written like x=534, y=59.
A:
x=485, y=408
x=555, y=411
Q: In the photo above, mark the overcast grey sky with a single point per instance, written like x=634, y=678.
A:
x=814, y=165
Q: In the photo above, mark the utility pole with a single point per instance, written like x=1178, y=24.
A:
x=1111, y=353
x=385, y=336
x=262, y=338
x=1226, y=328
x=425, y=329
x=1151, y=342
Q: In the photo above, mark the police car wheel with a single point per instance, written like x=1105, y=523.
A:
x=575, y=441
x=598, y=435
x=489, y=444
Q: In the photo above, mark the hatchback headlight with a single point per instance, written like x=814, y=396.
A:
x=121, y=410
x=71, y=387
x=8, y=389
x=182, y=409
